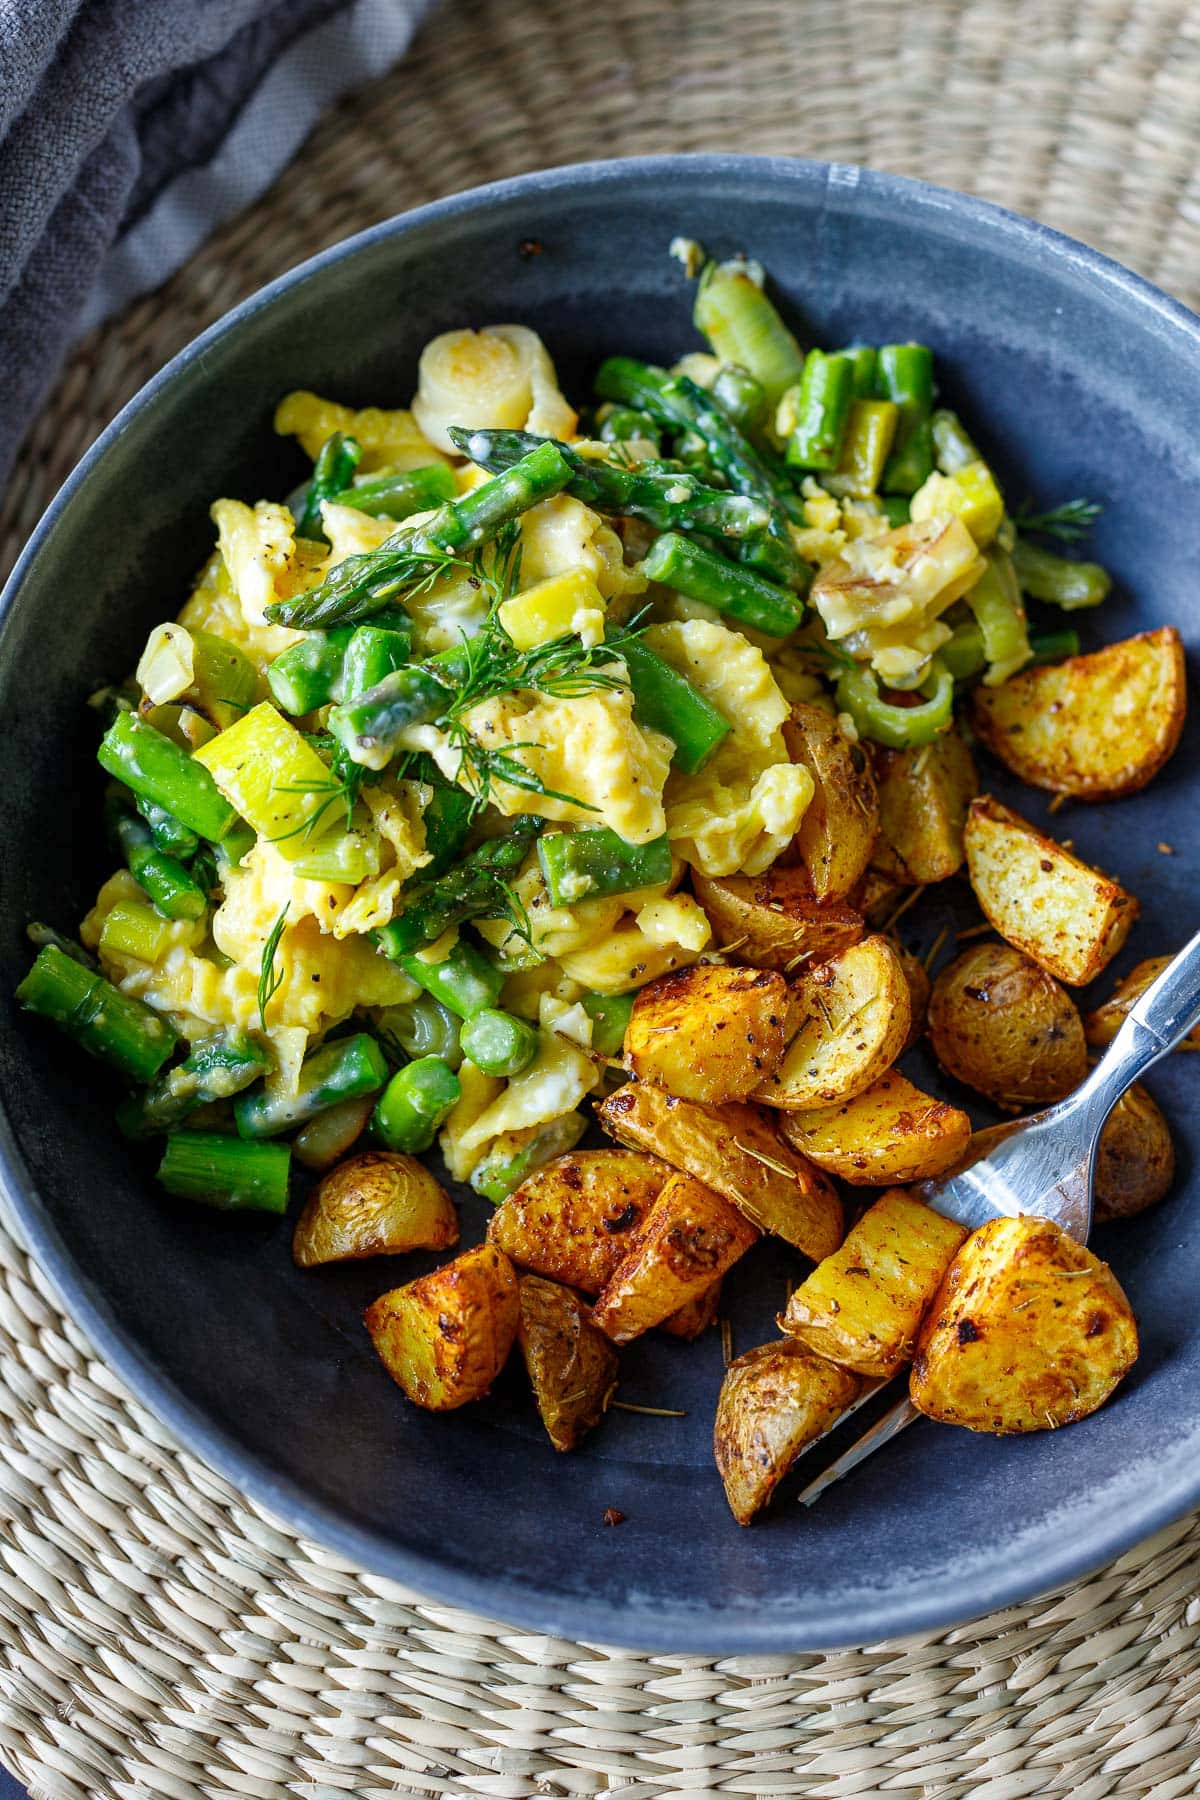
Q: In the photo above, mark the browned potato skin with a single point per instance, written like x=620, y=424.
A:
x=446, y=1336
x=848, y=1019
x=1029, y=1330
x=376, y=1204
x=574, y=1219
x=1094, y=727
x=736, y=1150
x=841, y=822
x=1135, y=1159
x=1101, y=1026
x=1002, y=1025
x=774, y=1401
x=691, y=1237
x=1068, y=917
x=694, y=1319
x=892, y=1133
x=916, y=978
x=862, y=1306
x=572, y=1366
x=923, y=799
x=707, y=1033
x=774, y=921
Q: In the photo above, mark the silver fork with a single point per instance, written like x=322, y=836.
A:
x=1043, y=1165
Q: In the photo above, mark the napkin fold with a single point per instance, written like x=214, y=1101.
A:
x=130, y=128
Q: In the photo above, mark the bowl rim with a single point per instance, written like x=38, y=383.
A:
x=682, y=1629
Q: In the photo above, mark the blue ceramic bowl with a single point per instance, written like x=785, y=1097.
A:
x=1078, y=379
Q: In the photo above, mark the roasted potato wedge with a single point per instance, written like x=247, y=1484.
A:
x=691, y=1237
x=774, y=921
x=1004, y=1026
x=574, y=1219
x=774, y=1401
x=694, y=1319
x=1101, y=1026
x=1093, y=726
x=1029, y=1330
x=1070, y=918
x=736, y=1150
x=709, y=1033
x=862, y=1306
x=1135, y=1158
x=446, y=1336
x=375, y=1204
x=841, y=822
x=572, y=1366
x=923, y=799
x=854, y=1013
x=916, y=978
x=892, y=1133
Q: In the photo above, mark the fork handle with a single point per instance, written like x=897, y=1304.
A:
x=1156, y=1022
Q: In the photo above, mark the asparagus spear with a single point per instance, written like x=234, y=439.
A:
x=158, y=770
x=110, y=1025
x=905, y=375
x=621, y=424
x=741, y=396
x=679, y=402
x=587, y=864
x=167, y=832
x=361, y=585
x=610, y=1014
x=333, y=470
x=414, y=1104
x=465, y=981
x=667, y=702
x=345, y=1069
x=374, y=652
x=406, y=491
x=226, y=1173
x=309, y=674
x=172, y=888
x=475, y=889
x=498, y=1043
x=813, y=414
x=666, y=498
x=215, y=1070
x=369, y=728
x=704, y=575
x=421, y=1027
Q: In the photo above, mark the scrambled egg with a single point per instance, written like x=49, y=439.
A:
x=596, y=765
x=323, y=979
x=738, y=812
x=390, y=440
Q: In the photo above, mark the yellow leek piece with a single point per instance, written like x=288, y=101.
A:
x=564, y=603
x=133, y=929
x=970, y=494
x=275, y=779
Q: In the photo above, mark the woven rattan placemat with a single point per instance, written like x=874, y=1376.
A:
x=160, y=1638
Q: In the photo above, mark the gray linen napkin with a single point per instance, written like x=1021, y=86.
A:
x=130, y=128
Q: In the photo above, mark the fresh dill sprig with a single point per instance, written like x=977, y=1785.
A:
x=270, y=981
x=493, y=668
x=1069, y=523
x=339, y=790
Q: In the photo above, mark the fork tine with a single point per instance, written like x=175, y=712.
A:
x=893, y=1422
